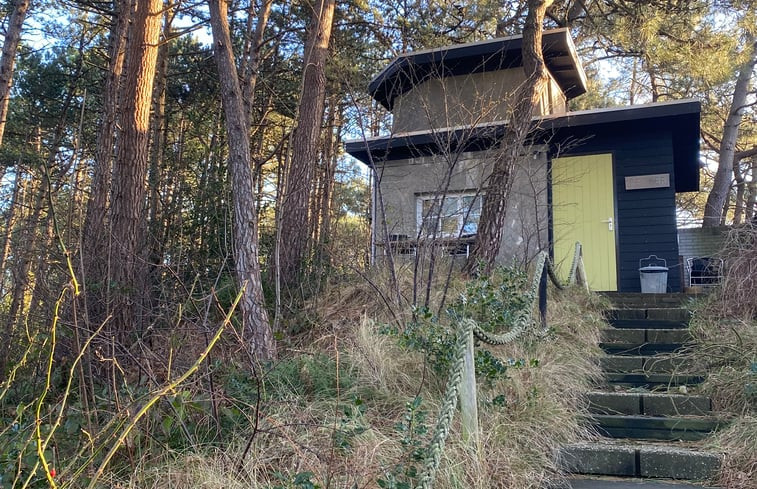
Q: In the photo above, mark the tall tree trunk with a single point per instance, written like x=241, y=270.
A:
x=305, y=141
x=19, y=187
x=130, y=168
x=13, y=236
x=751, y=201
x=254, y=316
x=740, y=202
x=330, y=161
x=27, y=251
x=155, y=220
x=8, y=58
x=96, y=234
x=492, y=222
x=251, y=59
x=721, y=186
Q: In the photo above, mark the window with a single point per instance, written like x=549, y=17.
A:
x=459, y=216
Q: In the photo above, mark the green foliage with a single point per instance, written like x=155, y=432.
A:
x=351, y=424
x=301, y=480
x=308, y=376
x=412, y=430
x=18, y=459
x=492, y=301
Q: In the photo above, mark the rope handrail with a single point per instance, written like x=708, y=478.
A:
x=468, y=326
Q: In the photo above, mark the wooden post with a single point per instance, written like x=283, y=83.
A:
x=468, y=401
x=581, y=272
x=543, y=296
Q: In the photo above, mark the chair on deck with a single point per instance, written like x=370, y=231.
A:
x=704, y=271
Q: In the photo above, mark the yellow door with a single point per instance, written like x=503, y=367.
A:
x=583, y=209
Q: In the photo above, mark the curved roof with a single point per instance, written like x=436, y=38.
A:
x=408, y=70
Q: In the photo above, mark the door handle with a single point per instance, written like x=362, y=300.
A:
x=609, y=223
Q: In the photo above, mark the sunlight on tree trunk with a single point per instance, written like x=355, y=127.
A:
x=8, y=58
x=130, y=168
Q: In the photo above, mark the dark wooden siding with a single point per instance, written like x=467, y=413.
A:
x=646, y=219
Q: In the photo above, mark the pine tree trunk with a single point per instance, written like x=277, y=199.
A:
x=251, y=62
x=8, y=58
x=14, y=235
x=19, y=187
x=740, y=183
x=305, y=142
x=254, y=316
x=751, y=201
x=130, y=168
x=492, y=222
x=721, y=186
x=158, y=127
x=25, y=247
x=96, y=233
x=330, y=162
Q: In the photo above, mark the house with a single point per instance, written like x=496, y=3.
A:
x=605, y=177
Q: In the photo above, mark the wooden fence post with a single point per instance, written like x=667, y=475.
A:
x=543, y=296
x=468, y=400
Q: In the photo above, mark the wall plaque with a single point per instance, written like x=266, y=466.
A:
x=638, y=182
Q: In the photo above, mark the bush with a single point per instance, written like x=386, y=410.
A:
x=492, y=301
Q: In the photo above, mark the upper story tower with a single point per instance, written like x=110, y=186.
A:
x=472, y=84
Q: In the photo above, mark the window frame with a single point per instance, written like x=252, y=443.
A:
x=462, y=213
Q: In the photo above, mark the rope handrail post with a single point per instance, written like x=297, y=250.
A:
x=580, y=270
x=543, y=295
x=461, y=383
x=468, y=396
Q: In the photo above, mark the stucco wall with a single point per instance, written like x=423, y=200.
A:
x=466, y=100
x=403, y=182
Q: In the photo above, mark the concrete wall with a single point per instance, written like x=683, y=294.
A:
x=467, y=100
x=402, y=182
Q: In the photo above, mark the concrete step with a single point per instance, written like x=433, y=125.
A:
x=620, y=483
x=640, y=349
x=650, y=364
x=655, y=314
x=641, y=336
x=655, y=427
x=638, y=460
x=648, y=403
x=650, y=381
x=647, y=324
x=639, y=300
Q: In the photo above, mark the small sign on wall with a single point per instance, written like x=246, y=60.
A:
x=639, y=182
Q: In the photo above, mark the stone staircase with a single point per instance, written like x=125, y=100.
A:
x=649, y=421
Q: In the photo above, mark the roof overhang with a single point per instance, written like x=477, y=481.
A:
x=411, y=69
x=679, y=117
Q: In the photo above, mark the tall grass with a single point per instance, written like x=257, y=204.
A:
x=346, y=405
x=725, y=329
x=370, y=427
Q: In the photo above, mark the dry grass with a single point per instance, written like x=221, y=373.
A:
x=725, y=329
x=739, y=443
x=736, y=298
x=725, y=326
x=344, y=444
